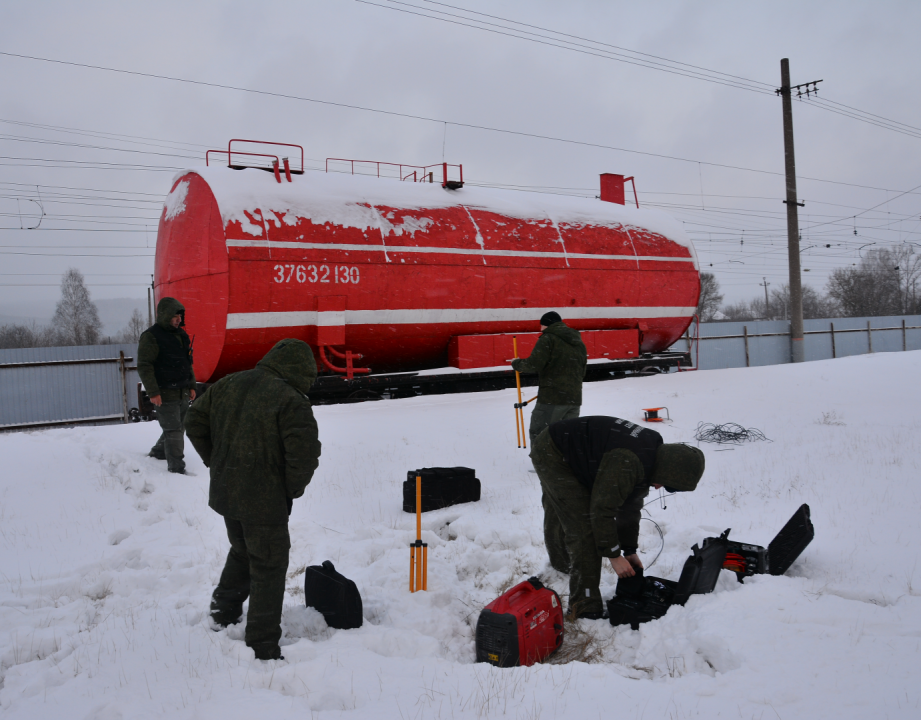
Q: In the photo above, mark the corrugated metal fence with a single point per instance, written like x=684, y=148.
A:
x=767, y=342
x=44, y=387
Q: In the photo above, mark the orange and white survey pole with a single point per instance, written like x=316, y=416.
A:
x=418, y=551
x=519, y=408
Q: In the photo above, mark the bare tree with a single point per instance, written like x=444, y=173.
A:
x=884, y=283
x=76, y=319
x=814, y=304
x=744, y=310
x=710, y=297
x=26, y=336
x=132, y=331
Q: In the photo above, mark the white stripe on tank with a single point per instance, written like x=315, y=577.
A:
x=432, y=316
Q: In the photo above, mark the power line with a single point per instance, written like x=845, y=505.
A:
x=40, y=141
x=635, y=52
x=393, y=113
x=674, y=68
x=659, y=63
x=138, y=139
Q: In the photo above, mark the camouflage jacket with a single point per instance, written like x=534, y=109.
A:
x=559, y=359
x=618, y=495
x=256, y=432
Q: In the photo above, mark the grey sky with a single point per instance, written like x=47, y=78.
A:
x=343, y=51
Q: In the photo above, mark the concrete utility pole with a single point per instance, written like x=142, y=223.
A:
x=797, y=353
x=767, y=304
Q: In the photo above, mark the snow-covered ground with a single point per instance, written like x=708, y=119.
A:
x=107, y=564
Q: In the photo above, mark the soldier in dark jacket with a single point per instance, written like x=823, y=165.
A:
x=559, y=359
x=165, y=368
x=595, y=473
x=256, y=432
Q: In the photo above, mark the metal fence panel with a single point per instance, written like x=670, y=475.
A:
x=65, y=392
x=767, y=342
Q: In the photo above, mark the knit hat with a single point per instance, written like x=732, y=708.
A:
x=547, y=319
x=678, y=467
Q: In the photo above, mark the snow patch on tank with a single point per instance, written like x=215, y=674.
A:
x=349, y=201
x=175, y=201
x=412, y=225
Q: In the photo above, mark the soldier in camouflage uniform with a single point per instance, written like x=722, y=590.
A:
x=256, y=432
x=595, y=473
x=559, y=359
x=165, y=368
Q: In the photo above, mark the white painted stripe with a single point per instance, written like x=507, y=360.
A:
x=272, y=244
x=330, y=318
x=431, y=316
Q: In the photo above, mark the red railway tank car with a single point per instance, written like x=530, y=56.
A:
x=403, y=272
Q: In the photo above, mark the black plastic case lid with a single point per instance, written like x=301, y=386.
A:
x=702, y=569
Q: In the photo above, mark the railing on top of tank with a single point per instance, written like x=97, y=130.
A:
x=418, y=173
x=231, y=153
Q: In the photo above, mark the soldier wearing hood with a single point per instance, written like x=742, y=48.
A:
x=595, y=473
x=256, y=433
x=559, y=359
x=165, y=368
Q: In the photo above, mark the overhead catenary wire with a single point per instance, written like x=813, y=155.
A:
x=397, y=114
x=558, y=40
x=575, y=43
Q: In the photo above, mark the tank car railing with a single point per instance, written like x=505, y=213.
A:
x=230, y=151
x=418, y=173
x=276, y=165
x=633, y=183
x=240, y=152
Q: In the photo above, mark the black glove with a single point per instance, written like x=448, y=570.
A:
x=290, y=502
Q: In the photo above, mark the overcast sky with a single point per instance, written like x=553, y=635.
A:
x=97, y=149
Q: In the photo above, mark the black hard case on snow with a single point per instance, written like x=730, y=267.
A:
x=639, y=599
x=782, y=551
x=334, y=595
x=441, y=487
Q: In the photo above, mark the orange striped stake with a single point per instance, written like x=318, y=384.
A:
x=519, y=410
x=418, y=551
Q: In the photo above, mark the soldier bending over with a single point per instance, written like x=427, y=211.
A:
x=595, y=473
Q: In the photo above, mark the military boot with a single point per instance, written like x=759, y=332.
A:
x=267, y=651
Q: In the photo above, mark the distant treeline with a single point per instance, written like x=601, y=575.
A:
x=75, y=322
x=884, y=282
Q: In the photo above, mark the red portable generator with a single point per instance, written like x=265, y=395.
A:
x=520, y=627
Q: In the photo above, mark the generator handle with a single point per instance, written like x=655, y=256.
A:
x=502, y=604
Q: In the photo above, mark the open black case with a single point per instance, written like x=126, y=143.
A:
x=639, y=599
x=746, y=560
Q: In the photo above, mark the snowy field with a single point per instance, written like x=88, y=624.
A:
x=108, y=563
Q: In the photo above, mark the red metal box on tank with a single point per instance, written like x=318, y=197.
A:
x=520, y=627
x=467, y=352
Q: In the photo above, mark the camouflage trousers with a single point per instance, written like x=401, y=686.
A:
x=171, y=416
x=570, y=502
x=256, y=568
x=542, y=416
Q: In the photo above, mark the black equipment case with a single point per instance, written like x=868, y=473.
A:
x=441, y=487
x=746, y=560
x=334, y=595
x=520, y=627
x=639, y=599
